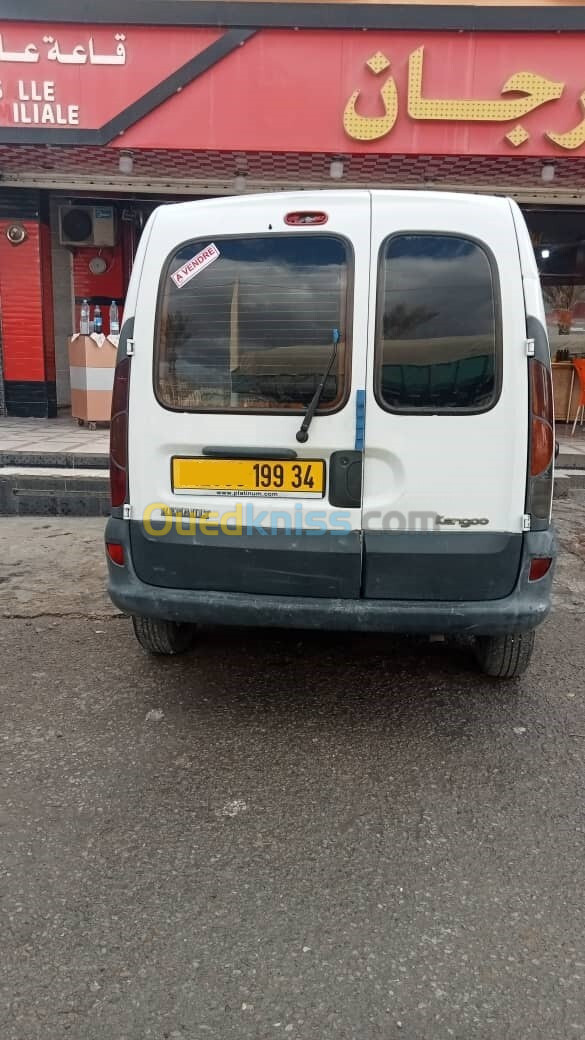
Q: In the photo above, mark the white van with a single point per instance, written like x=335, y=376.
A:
x=334, y=410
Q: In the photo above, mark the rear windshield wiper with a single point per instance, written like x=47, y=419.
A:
x=303, y=432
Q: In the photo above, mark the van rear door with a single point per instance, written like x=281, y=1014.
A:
x=244, y=305
x=447, y=408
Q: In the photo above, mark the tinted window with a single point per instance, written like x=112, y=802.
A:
x=437, y=337
x=253, y=329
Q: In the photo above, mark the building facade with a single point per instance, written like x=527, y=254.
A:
x=106, y=117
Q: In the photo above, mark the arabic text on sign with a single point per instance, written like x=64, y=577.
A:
x=536, y=90
x=80, y=55
x=573, y=138
x=371, y=128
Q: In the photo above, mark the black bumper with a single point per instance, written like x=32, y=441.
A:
x=526, y=607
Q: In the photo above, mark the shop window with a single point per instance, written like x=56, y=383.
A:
x=558, y=237
x=254, y=328
x=437, y=328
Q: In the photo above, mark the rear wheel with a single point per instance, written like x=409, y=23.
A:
x=163, y=637
x=505, y=657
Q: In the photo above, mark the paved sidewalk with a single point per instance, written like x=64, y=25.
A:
x=59, y=436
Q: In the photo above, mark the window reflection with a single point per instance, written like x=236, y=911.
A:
x=255, y=328
x=437, y=326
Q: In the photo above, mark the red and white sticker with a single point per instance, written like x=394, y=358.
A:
x=196, y=264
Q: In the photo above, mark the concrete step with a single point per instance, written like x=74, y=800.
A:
x=570, y=460
x=42, y=491
x=54, y=459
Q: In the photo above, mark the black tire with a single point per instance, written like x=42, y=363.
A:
x=505, y=657
x=163, y=637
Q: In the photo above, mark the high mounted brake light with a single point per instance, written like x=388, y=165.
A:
x=309, y=217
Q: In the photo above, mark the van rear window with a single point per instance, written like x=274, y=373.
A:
x=249, y=324
x=437, y=327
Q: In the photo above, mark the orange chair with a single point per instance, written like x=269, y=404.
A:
x=579, y=366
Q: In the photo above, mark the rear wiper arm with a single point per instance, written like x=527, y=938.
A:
x=303, y=432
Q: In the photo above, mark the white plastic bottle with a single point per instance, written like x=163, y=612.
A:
x=114, y=319
x=84, y=319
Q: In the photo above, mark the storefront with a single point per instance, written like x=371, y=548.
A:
x=105, y=118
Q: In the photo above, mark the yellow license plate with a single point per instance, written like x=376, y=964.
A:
x=248, y=478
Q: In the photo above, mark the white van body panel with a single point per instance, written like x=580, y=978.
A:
x=533, y=301
x=157, y=433
x=136, y=274
x=454, y=466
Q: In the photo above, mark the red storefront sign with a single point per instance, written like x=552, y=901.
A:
x=337, y=91
x=81, y=77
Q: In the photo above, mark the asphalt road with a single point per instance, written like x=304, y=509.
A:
x=282, y=834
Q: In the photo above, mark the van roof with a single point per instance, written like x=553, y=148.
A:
x=309, y=197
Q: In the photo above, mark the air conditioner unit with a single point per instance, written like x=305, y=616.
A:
x=87, y=225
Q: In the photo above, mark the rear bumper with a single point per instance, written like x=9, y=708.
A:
x=526, y=607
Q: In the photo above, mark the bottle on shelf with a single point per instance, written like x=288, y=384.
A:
x=114, y=319
x=84, y=319
x=98, y=324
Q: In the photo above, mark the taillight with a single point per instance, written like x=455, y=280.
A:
x=119, y=433
x=542, y=441
x=541, y=446
x=539, y=567
x=541, y=391
x=116, y=553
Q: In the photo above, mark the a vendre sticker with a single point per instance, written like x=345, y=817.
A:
x=196, y=264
